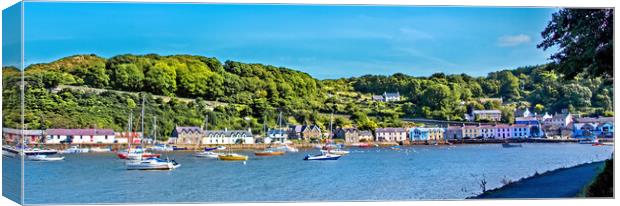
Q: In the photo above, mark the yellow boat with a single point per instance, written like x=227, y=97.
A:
x=233, y=157
x=269, y=153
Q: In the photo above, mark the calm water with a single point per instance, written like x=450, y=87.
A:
x=419, y=172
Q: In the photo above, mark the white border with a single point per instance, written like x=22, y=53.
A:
x=505, y=3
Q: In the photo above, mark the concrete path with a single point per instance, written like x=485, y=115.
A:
x=560, y=183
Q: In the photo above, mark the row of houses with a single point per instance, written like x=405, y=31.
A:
x=196, y=135
x=500, y=131
x=71, y=136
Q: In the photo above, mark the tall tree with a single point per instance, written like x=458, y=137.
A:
x=585, y=41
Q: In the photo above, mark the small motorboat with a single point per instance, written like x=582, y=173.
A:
x=45, y=158
x=161, y=148
x=324, y=156
x=287, y=148
x=210, y=149
x=232, y=157
x=99, y=149
x=175, y=148
x=220, y=148
x=588, y=141
x=269, y=152
x=336, y=151
x=153, y=163
x=598, y=144
x=395, y=147
x=75, y=150
x=136, y=155
x=208, y=154
x=364, y=145
x=509, y=145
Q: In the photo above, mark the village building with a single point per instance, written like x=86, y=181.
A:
x=228, y=137
x=560, y=120
x=424, y=134
x=276, y=136
x=487, y=131
x=520, y=131
x=13, y=136
x=387, y=97
x=365, y=136
x=80, y=136
x=304, y=132
x=349, y=135
x=502, y=131
x=490, y=115
x=187, y=135
x=391, y=134
x=471, y=132
x=126, y=137
x=454, y=132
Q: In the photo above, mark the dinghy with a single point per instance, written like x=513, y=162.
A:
x=153, y=164
x=44, y=158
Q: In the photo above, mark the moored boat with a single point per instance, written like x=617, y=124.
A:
x=44, y=158
x=99, y=149
x=9, y=150
x=325, y=156
x=336, y=151
x=509, y=145
x=75, y=150
x=233, y=157
x=136, y=155
x=208, y=154
x=288, y=148
x=153, y=164
x=161, y=148
x=269, y=153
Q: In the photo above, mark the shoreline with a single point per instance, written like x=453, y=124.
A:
x=559, y=183
x=260, y=146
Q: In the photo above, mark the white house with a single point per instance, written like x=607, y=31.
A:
x=390, y=134
x=80, y=136
x=228, y=137
x=276, y=136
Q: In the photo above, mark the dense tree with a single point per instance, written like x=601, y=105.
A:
x=585, y=41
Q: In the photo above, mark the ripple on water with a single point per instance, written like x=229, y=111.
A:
x=417, y=172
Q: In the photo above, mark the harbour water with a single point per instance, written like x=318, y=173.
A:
x=412, y=173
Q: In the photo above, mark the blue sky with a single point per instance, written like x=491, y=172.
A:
x=324, y=41
x=11, y=38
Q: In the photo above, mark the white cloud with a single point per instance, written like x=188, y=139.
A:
x=508, y=41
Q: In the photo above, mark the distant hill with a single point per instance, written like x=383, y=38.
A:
x=262, y=91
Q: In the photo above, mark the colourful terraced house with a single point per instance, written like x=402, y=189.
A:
x=424, y=134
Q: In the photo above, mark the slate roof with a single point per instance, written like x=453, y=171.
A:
x=80, y=132
x=228, y=133
x=390, y=129
x=25, y=132
x=493, y=111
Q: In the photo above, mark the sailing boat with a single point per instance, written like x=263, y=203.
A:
x=275, y=151
x=138, y=153
x=328, y=147
x=156, y=146
x=229, y=156
x=325, y=152
x=207, y=152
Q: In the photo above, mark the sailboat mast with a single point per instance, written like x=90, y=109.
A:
x=331, y=117
x=142, y=117
x=129, y=129
x=154, y=129
x=280, y=121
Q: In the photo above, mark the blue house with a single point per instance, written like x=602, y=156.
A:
x=593, y=130
x=423, y=134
